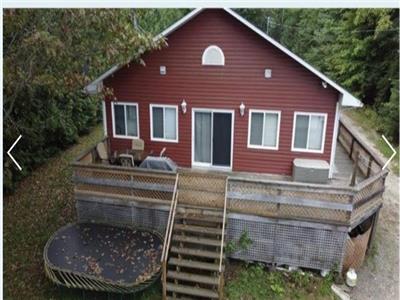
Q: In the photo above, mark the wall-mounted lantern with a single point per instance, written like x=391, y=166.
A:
x=324, y=84
x=184, y=106
x=242, y=107
x=163, y=70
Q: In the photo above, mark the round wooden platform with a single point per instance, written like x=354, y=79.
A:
x=103, y=257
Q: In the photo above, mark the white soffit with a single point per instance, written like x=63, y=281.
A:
x=347, y=98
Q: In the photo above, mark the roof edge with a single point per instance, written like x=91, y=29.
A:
x=347, y=98
x=350, y=100
x=182, y=21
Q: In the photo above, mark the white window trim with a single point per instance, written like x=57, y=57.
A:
x=210, y=166
x=297, y=113
x=104, y=110
x=125, y=104
x=278, y=112
x=163, y=106
x=210, y=48
x=334, y=139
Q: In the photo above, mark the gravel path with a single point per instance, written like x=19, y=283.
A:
x=378, y=278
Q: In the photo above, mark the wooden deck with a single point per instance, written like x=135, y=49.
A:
x=343, y=170
x=310, y=221
x=348, y=147
x=322, y=202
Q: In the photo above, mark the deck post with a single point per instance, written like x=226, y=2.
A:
x=164, y=280
x=373, y=231
x=352, y=147
x=221, y=286
x=369, y=166
x=354, y=175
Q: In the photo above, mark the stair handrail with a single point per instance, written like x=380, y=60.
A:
x=168, y=233
x=169, y=216
x=220, y=275
x=223, y=227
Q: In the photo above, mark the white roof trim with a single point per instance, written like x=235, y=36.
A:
x=96, y=85
x=347, y=99
x=178, y=23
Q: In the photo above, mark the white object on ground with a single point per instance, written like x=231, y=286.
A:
x=324, y=273
x=292, y=268
x=351, y=277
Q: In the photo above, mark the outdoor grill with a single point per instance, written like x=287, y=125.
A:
x=159, y=163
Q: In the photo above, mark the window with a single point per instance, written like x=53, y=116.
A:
x=213, y=56
x=309, y=132
x=164, y=123
x=125, y=120
x=264, y=129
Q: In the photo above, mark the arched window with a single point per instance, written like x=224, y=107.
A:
x=213, y=56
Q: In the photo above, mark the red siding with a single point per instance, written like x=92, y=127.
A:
x=291, y=88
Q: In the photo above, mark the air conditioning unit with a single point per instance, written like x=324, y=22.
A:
x=310, y=170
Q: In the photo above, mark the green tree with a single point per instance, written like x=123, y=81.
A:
x=49, y=56
x=356, y=47
x=156, y=20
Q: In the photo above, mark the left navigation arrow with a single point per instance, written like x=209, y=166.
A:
x=9, y=154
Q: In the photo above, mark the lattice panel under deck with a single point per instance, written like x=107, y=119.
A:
x=288, y=245
x=356, y=250
x=308, y=247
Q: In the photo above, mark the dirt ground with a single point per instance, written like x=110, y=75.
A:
x=378, y=278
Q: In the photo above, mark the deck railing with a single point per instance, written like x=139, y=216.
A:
x=223, y=227
x=323, y=203
x=266, y=198
x=306, y=202
x=288, y=200
x=221, y=254
x=369, y=163
x=168, y=235
x=124, y=183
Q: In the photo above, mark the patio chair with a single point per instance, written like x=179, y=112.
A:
x=102, y=152
x=126, y=160
x=138, y=149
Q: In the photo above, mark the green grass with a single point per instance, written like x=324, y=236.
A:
x=369, y=121
x=256, y=283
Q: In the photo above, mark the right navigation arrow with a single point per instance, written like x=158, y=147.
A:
x=392, y=148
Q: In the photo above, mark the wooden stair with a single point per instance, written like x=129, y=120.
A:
x=193, y=266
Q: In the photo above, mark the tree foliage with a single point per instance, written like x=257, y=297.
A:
x=49, y=56
x=155, y=21
x=356, y=47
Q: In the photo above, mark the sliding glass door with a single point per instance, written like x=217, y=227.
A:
x=212, y=138
x=202, y=137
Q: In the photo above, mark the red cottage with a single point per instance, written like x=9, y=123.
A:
x=224, y=95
